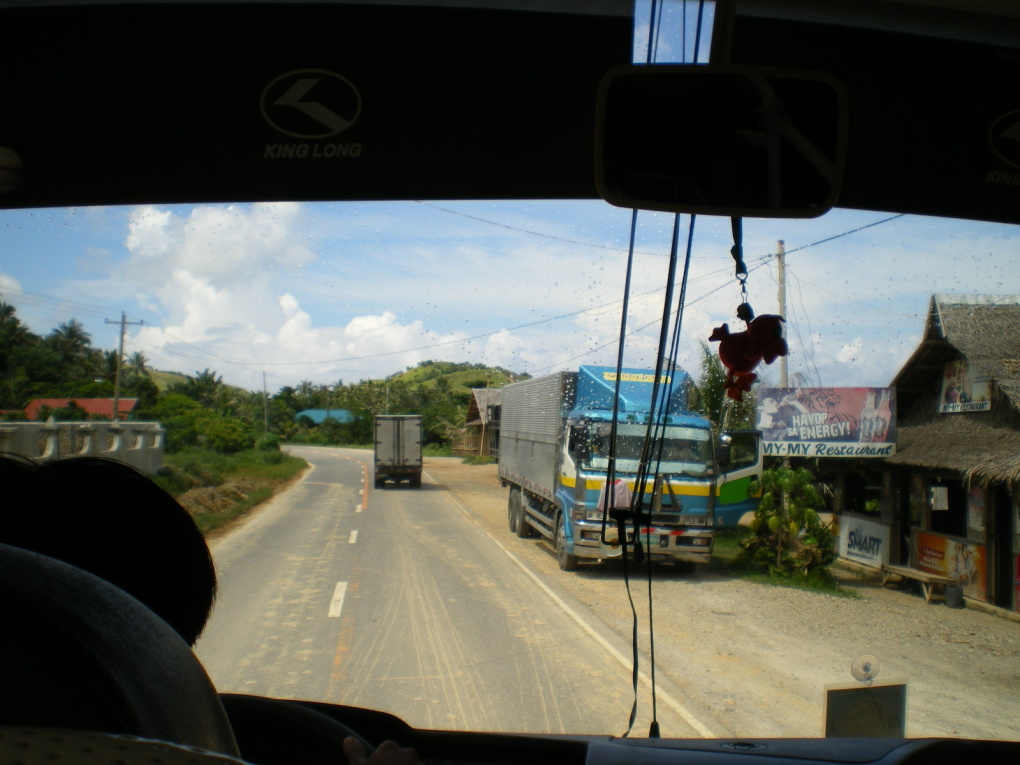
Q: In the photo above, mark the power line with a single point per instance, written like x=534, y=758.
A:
x=846, y=233
x=95, y=310
x=762, y=261
x=530, y=232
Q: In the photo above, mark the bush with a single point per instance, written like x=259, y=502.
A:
x=174, y=481
x=787, y=536
x=268, y=442
x=225, y=435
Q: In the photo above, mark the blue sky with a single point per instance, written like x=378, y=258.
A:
x=350, y=291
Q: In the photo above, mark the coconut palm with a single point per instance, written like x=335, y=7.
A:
x=13, y=334
x=709, y=395
x=71, y=341
x=137, y=364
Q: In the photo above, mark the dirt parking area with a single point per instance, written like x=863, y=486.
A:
x=757, y=658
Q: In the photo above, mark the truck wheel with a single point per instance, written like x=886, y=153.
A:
x=380, y=483
x=566, y=561
x=416, y=482
x=513, y=518
x=524, y=529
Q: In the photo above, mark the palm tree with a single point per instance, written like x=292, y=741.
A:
x=13, y=334
x=70, y=340
x=137, y=364
x=709, y=395
x=203, y=388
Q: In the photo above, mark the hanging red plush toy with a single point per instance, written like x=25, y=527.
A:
x=741, y=352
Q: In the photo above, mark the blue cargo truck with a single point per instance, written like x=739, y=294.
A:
x=554, y=457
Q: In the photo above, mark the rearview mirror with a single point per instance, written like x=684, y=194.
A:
x=720, y=140
x=722, y=449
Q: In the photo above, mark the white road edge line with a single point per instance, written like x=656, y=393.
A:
x=679, y=708
x=337, y=603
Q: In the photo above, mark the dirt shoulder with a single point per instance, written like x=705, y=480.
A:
x=758, y=658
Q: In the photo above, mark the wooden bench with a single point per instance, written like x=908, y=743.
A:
x=928, y=580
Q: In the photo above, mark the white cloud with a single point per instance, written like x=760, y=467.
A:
x=362, y=290
x=223, y=245
x=8, y=284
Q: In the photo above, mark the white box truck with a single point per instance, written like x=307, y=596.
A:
x=398, y=442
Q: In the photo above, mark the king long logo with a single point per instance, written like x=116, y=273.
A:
x=1004, y=137
x=311, y=104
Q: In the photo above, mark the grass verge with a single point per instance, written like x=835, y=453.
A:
x=210, y=521
x=217, y=488
x=480, y=460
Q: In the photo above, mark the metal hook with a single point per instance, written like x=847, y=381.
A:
x=744, y=310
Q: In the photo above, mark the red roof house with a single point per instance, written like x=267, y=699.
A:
x=99, y=407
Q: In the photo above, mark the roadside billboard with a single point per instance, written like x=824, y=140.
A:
x=964, y=389
x=828, y=422
x=956, y=559
x=864, y=540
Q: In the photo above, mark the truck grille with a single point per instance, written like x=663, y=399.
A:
x=676, y=519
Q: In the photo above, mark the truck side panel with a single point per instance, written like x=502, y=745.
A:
x=530, y=429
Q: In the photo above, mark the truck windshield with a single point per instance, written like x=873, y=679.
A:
x=683, y=450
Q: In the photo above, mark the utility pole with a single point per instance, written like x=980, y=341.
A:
x=120, y=360
x=265, y=404
x=784, y=370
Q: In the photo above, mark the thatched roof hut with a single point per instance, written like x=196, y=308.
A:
x=480, y=434
x=984, y=331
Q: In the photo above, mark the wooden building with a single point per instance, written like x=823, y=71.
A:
x=480, y=434
x=951, y=493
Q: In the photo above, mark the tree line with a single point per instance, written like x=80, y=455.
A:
x=201, y=410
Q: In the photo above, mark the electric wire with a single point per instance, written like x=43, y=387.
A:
x=88, y=309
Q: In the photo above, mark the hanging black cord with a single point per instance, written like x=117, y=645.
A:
x=611, y=472
x=655, y=16
x=621, y=521
x=697, y=32
x=653, y=433
x=674, y=352
x=620, y=516
x=657, y=421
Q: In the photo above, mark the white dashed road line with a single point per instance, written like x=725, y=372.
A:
x=337, y=603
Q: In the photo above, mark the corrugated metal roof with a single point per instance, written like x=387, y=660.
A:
x=102, y=407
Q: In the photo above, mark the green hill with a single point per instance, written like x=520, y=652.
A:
x=462, y=377
x=164, y=380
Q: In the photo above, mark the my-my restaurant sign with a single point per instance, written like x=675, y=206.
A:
x=964, y=389
x=827, y=422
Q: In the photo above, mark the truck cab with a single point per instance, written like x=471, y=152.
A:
x=675, y=484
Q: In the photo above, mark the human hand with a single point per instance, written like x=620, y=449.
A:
x=388, y=753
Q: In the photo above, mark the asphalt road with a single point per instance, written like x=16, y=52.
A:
x=399, y=600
